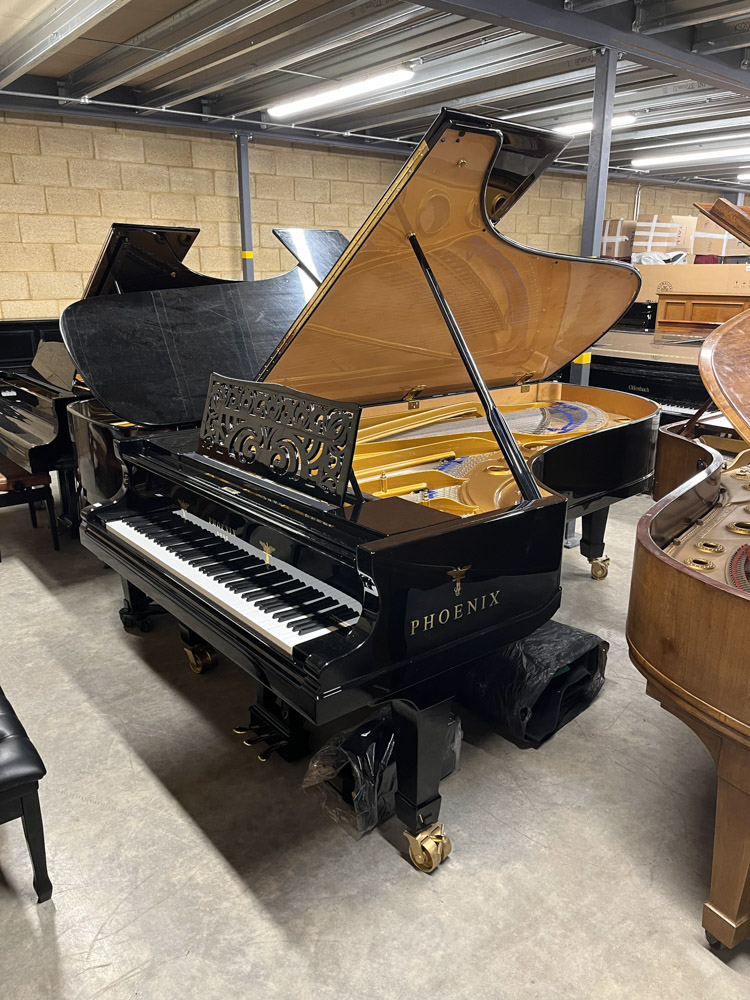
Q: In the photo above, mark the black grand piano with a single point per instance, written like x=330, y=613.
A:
x=34, y=395
x=262, y=525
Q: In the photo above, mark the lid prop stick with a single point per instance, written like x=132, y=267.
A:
x=506, y=442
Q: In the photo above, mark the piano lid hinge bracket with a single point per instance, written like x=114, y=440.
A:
x=410, y=397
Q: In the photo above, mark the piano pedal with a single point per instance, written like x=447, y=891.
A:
x=270, y=751
x=259, y=738
x=278, y=725
x=429, y=848
x=599, y=568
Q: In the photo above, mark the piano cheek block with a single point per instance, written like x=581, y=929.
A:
x=464, y=595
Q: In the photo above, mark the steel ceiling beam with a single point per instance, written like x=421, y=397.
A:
x=666, y=15
x=49, y=32
x=393, y=15
x=722, y=37
x=116, y=69
x=585, y=5
x=607, y=28
x=137, y=116
x=475, y=63
x=567, y=81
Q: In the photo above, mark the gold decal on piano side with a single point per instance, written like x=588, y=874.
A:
x=457, y=574
x=268, y=549
x=456, y=612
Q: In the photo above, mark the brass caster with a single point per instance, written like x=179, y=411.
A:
x=429, y=848
x=200, y=658
x=599, y=568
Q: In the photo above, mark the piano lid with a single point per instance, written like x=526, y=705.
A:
x=148, y=356
x=144, y=258
x=734, y=218
x=724, y=364
x=373, y=332
x=317, y=250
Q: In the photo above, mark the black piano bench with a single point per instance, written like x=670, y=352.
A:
x=21, y=770
x=17, y=486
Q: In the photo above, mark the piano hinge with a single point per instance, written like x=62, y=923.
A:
x=525, y=379
x=410, y=397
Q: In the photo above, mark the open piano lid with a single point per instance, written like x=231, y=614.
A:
x=137, y=257
x=724, y=364
x=373, y=332
x=734, y=218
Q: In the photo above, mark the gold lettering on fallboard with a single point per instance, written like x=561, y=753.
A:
x=431, y=620
x=414, y=625
x=447, y=614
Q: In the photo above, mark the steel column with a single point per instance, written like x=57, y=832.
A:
x=246, y=217
x=599, y=147
x=597, y=175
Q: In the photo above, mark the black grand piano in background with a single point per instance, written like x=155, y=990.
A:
x=35, y=393
x=251, y=529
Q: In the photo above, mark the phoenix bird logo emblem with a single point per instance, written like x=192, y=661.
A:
x=268, y=549
x=457, y=574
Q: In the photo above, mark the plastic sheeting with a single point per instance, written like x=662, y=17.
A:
x=531, y=688
x=355, y=772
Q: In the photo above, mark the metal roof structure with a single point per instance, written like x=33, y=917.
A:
x=219, y=64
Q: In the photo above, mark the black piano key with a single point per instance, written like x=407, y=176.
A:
x=229, y=567
x=255, y=585
x=282, y=595
x=301, y=600
x=211, y=553
x=260, y=577
x=334, y=616
x=309, y=626
x=272, y=604
x=309, y=611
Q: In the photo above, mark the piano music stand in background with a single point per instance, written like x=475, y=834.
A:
x=17, y=486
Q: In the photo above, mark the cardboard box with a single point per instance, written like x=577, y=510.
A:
x=664, y=232
x=617, y=238
x=701, y=279
x=709, y=237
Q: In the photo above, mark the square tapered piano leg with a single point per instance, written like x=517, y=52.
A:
x=420, y=730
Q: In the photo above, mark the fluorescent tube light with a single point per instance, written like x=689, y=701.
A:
x=707, y=156
x=342, y=92
x=580, y=128
x=743, y=177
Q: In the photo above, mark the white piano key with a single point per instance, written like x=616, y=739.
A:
x=280, y=634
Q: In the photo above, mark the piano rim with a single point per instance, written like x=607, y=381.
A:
x=646, y=548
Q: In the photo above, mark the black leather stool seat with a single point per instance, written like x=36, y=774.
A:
x=20, y=762
x=21, y=768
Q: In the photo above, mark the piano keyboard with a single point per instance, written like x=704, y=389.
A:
x=279, y=602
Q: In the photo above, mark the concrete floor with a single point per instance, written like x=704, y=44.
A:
x=183, y=868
